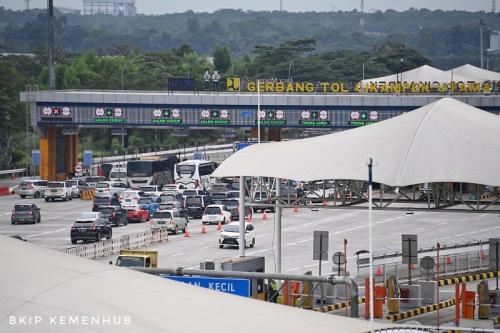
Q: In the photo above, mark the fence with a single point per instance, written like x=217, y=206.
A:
x=112, y=246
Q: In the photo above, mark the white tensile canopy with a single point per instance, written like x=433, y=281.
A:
x=445, y=141
x=476, y=73
x=423, y=73
x=46, y=284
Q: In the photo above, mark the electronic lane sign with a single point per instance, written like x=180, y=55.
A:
x=180, y=84
x=314, y=118
x=240, y=287
x=215, y=117
x=108, y=116
x=166, y=117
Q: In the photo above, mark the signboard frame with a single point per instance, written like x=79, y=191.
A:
x=242, y=287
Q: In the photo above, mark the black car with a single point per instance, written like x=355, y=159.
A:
x=116, y=215
x=233, y=205
x=91, y=226
x=28, y=213
x=104, y=201
x=196, y=205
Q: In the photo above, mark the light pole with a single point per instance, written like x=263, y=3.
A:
x=258, y=111
x=370, y=245
x=481, y=24
x=290, y=70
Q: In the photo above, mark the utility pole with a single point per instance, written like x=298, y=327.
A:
x=362, y=19
x=281, y=5
x=27, y=3
x=52, y=71
x=493, y=6
x=481, y=23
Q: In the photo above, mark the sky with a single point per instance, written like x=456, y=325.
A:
x=177, y=6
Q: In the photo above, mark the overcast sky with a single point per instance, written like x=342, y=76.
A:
x=173, y=6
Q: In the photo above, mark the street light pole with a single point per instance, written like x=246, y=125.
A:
x=481, y=23
x=370, y=242
x=290, y=70
x=258, y=111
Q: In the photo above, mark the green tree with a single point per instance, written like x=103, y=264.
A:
x=222, y=59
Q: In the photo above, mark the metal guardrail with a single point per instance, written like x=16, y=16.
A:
x=113, y=246
x=12, y=171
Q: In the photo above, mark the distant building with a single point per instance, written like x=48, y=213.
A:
x=64, y=10
x=494, y=41
x=110, y=7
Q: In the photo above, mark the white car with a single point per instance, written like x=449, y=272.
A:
x=57, y=190
x=216, y=214
x=173, y=188
x=151, y=190
x=109, y=189
x=130, y=197
x=230, y=235
x=170, y=219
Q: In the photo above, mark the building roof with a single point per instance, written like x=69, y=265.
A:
x=423, y=73
x=478, y=74
x=445, y=141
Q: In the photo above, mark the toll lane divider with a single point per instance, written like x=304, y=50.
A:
x=4, y=190
x=113, y=246
x=496, y=321
x=421, y=310
x=468, y=278
x=340, y=306
x=88, y=194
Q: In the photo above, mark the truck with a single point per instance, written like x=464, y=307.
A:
x=137, y=258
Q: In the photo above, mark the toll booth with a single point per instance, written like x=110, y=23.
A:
x=241, y=264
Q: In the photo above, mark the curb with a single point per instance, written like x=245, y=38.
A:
x=339, y=306
x=421, y=310
x=468, y=278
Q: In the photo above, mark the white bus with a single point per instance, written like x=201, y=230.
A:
x=151, y=170
x=194, y=173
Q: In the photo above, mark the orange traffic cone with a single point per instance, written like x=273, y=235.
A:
x=264, y=215
x=379, y=272
x=295, y=209
x=203, y=229
x=219, y=226
x=187, y=233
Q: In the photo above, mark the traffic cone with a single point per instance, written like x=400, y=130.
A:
x=203, y=229
x=187, y=233
x=295, y=209
x=264, y=215
x=219, y=226
x=379, y=272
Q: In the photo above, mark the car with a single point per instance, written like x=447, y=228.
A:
x=116, y=215
x=93, y=180
x=131, y=197
x=91, y=226
x=104, y=201
x=220, y=187
x=31, y=188
x=76, y=187
x=57, y=190
x=171, y=219
x=173, y=188
x=151, y=190
x=216, y=214
x=262, y=197
x=169, y=200
x=138, y=213
x=233, y=205
x=192, y=192
x=230, y=235
x=149, y=203
x=109, y=189
x=196, y=205
x=218, y=197
x=25, y=213
x=233, y=194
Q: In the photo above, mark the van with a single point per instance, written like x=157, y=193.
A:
x=32, y=188
x=118, y=174
x=57, y=190
x=196, y=205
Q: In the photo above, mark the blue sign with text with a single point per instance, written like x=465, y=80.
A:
x=87, y=157
x=241, y=145
x=239, y=287
x=35, y=157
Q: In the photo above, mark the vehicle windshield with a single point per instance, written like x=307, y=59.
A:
x=145, y=200
x=71, y=183
x=100, y=200
x=55, y=185
x=22, y=208
x=186, y=169
x=233, y=194
x=148, y=188
x=231, y=202
x=232, y=228
x=106, y=210
x=189, y=192
x=24, y=183
x=102, y=185
x=118, y=175
x=219, y=196
x=193, y=200
x=93, y=179
x=212, y=210
x=139, y=168
x=162, y=215
x=87, y=215
x=130, y=262
x=167, y=197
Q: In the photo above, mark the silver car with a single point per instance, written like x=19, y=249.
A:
x=31, y=188
x=170, y=219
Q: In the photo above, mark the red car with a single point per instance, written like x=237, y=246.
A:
x=138, y=215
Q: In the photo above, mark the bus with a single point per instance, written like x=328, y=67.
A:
x=151, y=170
x=194, y=173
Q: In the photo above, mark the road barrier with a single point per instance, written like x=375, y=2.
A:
x=113, y=246
x=339, y=306
x=4, y=190
x=88, y=194
x=468, y=278
x=421, y=310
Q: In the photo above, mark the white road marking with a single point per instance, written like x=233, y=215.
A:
x=294, y=269
x=309, y=266
x=289, y=244
x=207, y=247
x=47, y=232
x=302, y=241
x=444, y=223
x=178, y=254
x=52, y=217
x=306, y=224
x=420, y=228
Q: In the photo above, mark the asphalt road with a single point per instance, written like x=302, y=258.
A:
x=297, y=236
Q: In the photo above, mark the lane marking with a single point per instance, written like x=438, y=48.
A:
x=206, y=247
x=309, y=266
x=47, y=232
x=302, y=241
x=444, y=223
x=294, y=269
x=178, y=254
x=289, y=244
